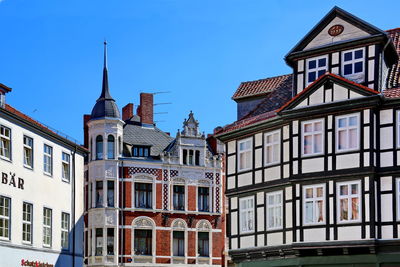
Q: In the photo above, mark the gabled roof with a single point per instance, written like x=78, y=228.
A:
x=334, y=12
x=321, y=80
x=262, y=87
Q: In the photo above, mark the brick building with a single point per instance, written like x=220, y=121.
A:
x=151, y=200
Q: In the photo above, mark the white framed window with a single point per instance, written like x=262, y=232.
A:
x=314, y=204
x=312, y=137
x=349, y=201
x=48, y=159
x=28, y=152
x=353, y=64
x=398, y=128
x=5, y=142
x=398, y=197
x=245, y=154
x=347, y=132
x=5, y=210
x=316, y=67
x=246, y=207
x=272, y=147
x=27, y=211
x=65, y=159
x=47, y=223
x=64, y=230
x=274, y=210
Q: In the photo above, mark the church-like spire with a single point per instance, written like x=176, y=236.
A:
x=105, y=92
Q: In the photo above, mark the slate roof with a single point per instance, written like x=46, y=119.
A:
x=263, y=86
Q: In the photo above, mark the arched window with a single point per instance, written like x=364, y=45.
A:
x=204, y=241
x=99, y=147
x=110, y=147
x=143, y=239
x=179, y=237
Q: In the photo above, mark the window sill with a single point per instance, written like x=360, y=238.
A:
x=5, y=239
x=342, y=151
x=66, y=181
x=48, y=174
x=312, y=155
x=28, y=167
x=6, y=159
x=26, y=243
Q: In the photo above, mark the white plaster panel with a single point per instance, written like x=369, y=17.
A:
x=300, y=65
x=386, y=138
x=289, y=217
x=329, y=142
x=366, y=137
x=231, y=147
x=330, y=120
x=288, y=193
x=231, y=182
x=371, y=50
x=386, y=208
x=302, y=103
x=274, y=239
x=286, y=151
x=339, y=92
x=371, y=69
x=247, y=241
x=260, y=197
x=289, y=237
x=297, y=190
x=258, y=157
x=354, y=95
x=260, y=240
x=386, y=116
x=348, y=161
x=349, y=233
x=386, y=159
x=387, y=232
x=329, y=163
x=299, y=83
x=234, y=243
x=317, y=97
x=286, y=171
x=286, y=132
x=234, y=226
x=335, y=70
x=331, y=233
x=331, y=210
x=234, y=203
x=366, y=159
x=260, y=219
x=386, y=183
x=313, y=165
x=367, y=207
x=335, y=58
x=398, y=158
x=245, y=179
x=295, y=167
x=272, y=173
x=366, y=115
x=258, y=176
x=297, y=212
x=328, y=96
x=366, y=183
x=331, y=188
x=295, y=150
x=231, y=164
x=258, y=139
x=314, y=235
x=295, y=127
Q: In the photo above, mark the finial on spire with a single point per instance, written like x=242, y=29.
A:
x=105, y=53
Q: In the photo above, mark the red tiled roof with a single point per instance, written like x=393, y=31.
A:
x=394, y=72
x=263, y=86
x=392, y=92
x=246, y=121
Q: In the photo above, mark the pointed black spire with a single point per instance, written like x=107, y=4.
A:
x=105, y=104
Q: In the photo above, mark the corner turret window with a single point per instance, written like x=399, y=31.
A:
x=110, y=147
x=99, y=147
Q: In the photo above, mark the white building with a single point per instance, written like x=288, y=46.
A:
x=41, y=193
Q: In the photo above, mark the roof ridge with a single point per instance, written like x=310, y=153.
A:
x=393, y=30
x=264, y=79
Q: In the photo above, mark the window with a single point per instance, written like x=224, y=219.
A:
x=353, y=64
x=28, y=152
x=110, y=193
x=99, y=147
x=179, y=243
x=65, y=166
x=312, y=137
x=349, y=202
x=143, y=195
x=48, y=159
x=316, y=67
x=246, y=207
x=110, y=241
x=197, y=158
x=203, y=199
x=140, y=151
x=347, y=132
x=191, y=157
x=5, y=207
x=47, y=213
x=27, y=211
x=274, y=210
x=99, y=194
x=64, y=230
x=143, y=242
x=99, y=242
x=110, y=147
x=272, y=147
x=179, y=197
x=397, y=192
x=245, y=155
x=314, y=208
x=203, y=245
x=5, y=142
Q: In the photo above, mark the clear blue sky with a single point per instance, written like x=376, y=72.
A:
x=200, y=51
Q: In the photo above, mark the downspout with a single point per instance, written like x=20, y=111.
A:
x=121, y=201
x=73, y=208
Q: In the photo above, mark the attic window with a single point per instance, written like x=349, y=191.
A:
x=353, y=64
x=316, y=67
x=140, y=151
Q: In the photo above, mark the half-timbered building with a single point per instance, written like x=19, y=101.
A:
x=312, y=163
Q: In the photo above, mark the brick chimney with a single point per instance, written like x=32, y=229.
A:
x=86, y=118
x=127, y=112
x=146, y=108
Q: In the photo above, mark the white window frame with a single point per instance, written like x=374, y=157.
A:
x=397, y=192
x=317, y=68
x=6, y=218
x=314, y=200
x=274, y=145
x=47, y=226
x=313, y=133
x=50, y=156
x=246, y=214
x=27, y=222
x=398, y=128
x=274, y=207
x=347, y=129
x=359, y=77
x=28, y=148
x=65, y=225
x=5, y=138
x=64, y=163
x=248, y=150
x=349, y=196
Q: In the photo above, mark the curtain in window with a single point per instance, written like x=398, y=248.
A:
x=99, y=147
x=203, y=244
x=179, y=243
x=143, y=242
x=143, y=195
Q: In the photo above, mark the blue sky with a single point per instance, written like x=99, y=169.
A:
x=199, y=51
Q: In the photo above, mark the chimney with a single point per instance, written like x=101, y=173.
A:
x=127, y=112
x=86, y=118
x=146, y=108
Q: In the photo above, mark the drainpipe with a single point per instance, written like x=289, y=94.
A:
x=73, y=208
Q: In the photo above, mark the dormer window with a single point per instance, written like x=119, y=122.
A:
x=316, y=67
x=191, y=157
x=353, y=64
x=140, y=151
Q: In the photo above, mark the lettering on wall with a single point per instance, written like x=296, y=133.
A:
x=35, y=263
x=11, y=180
